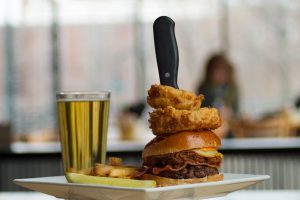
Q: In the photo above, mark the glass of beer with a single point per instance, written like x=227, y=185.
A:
x=83, y=122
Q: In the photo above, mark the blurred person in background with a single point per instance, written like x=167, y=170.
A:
x=220, y=90
x=297, y=105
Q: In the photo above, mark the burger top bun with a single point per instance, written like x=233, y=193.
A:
x=185, y=140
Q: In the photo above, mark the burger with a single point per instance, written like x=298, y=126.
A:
x=184, y=157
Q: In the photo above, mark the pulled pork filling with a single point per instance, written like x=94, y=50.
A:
x=184, y=164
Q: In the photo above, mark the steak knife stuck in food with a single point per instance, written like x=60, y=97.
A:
x=166, y=50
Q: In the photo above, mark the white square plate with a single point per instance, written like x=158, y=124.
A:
x=59, y=187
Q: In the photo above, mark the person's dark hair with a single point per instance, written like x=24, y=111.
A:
x=211, y=66
x=297, y=103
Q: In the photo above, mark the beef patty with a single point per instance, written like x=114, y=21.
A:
x=198, y=171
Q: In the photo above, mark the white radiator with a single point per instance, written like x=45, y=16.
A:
x=284, y=168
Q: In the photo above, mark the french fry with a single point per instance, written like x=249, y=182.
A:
x=102, y=170
x=86, y=171
x=122, y=172
x=114, y=170
x=114, y=161
x=72, y=170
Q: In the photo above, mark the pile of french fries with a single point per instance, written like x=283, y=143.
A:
x=114, y=169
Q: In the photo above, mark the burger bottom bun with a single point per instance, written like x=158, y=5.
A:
x=162, y=181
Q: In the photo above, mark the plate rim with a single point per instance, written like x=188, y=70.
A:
x=253, y=177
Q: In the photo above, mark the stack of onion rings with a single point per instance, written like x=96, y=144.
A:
x=178, y=110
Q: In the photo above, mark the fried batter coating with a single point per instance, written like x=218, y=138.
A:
x=161, y=96
x=171, y=120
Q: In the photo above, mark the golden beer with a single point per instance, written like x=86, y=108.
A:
x=83, y=124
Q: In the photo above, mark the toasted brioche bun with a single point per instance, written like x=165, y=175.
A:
x=181, y=141
x=162, y=181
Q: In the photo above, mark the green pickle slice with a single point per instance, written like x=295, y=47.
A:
x=121, y=182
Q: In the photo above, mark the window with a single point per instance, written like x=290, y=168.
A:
x=264, y=43
x=50, y=45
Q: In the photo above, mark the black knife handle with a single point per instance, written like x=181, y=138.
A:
x=166, y=50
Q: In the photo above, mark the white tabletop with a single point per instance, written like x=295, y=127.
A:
x=244, y=195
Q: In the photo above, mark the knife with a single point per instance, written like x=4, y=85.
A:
x=166, y=50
